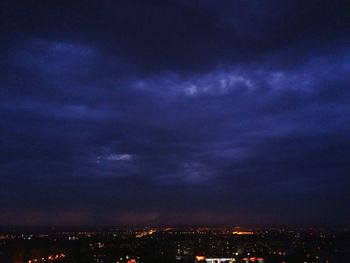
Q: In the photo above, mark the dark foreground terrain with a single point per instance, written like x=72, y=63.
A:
x=177, y=245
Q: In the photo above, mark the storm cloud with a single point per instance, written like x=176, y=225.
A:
x=175, y=112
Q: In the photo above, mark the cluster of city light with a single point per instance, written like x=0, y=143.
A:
x=145, y=233
x=128, y=259
x=200, y=258
x=253, y=259
x=214, y=260
x=50, y=258
x=218, y=260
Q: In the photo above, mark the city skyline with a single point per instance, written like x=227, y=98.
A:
x=138, y=113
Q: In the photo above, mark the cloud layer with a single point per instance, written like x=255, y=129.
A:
x=175, y=112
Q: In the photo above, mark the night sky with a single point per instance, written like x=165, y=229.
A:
x=231, y=112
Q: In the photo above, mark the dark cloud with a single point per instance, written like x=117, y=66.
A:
x=174, y=112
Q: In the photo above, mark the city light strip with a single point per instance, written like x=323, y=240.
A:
x=219, y=259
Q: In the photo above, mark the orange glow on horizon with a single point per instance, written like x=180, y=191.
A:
x=243, y=233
